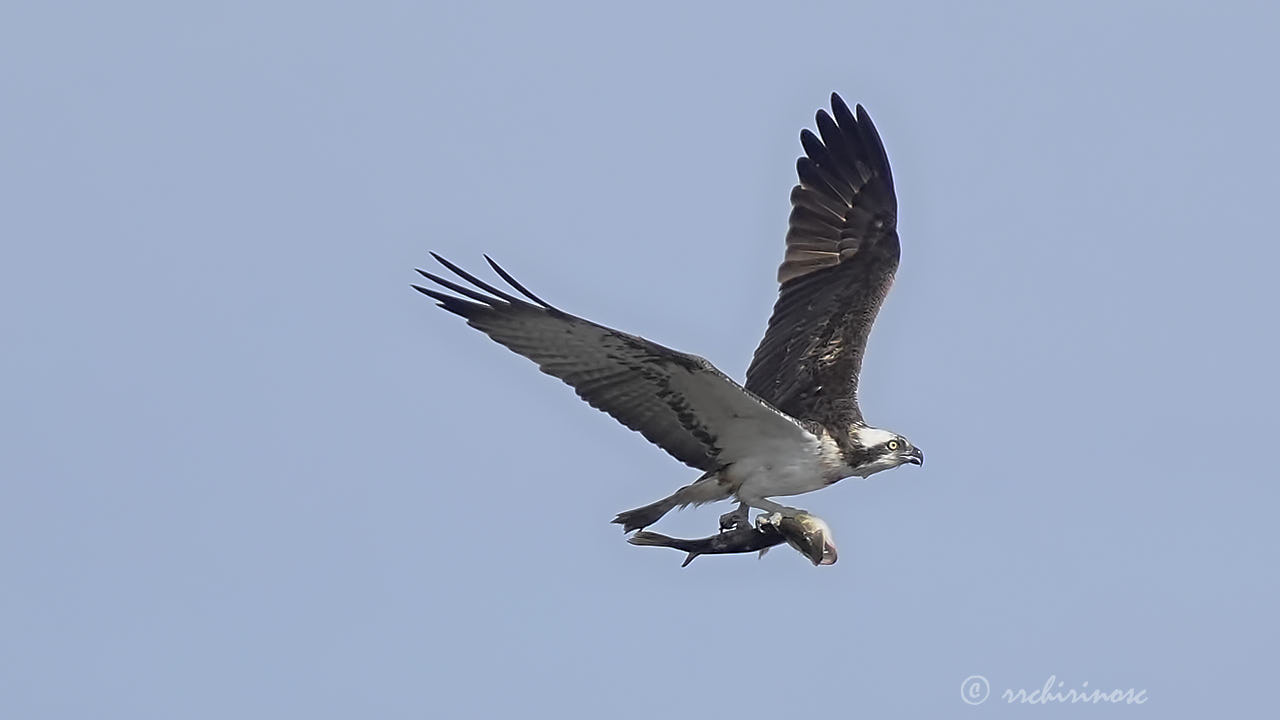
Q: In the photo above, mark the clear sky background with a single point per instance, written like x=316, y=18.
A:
x=247, y=472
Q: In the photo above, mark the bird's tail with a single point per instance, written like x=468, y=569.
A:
x=643, y=517
x=705, y=489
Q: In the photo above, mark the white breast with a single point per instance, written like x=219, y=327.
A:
x=789, y=471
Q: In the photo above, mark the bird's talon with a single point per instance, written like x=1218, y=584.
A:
x=731, y=520
x=772, y=518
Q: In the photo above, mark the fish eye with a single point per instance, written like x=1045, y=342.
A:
x=893, y=444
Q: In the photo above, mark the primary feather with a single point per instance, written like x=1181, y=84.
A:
x=841, y=255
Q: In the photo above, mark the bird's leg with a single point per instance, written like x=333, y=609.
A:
x=737, y=518
x=771, y=507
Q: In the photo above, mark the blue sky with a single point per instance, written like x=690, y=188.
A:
x=249, y=473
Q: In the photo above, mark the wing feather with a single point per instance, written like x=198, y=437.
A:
x=842, y=252
x=677, y=401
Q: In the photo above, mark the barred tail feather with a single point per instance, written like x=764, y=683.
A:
x=704, y=490
x=643, y=517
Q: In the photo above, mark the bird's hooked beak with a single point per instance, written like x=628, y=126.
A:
x=916, y=457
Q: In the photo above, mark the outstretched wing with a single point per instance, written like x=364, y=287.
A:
x=842, y=252
x=679, y=402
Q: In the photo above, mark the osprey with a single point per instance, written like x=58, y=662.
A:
x=794, y=426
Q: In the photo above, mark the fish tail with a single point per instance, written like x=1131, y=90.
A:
x=654, y=539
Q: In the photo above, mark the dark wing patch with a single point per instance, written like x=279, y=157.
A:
x=679, y=402
x=841, y=254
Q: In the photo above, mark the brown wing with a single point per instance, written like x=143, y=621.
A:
x=842, y=252
x=679, y=402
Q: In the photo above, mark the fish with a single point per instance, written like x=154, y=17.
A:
x=807, y=533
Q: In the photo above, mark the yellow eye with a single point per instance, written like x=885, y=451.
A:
x=893, y=444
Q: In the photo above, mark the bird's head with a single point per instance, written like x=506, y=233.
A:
x=883, y=450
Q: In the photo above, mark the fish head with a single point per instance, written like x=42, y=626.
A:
x=810, y=535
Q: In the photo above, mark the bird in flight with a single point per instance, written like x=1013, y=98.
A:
x=794, y=426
